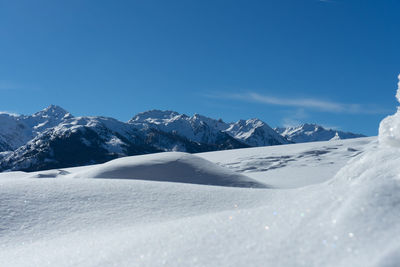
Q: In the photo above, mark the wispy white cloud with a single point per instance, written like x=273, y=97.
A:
x=294, y=118
x=299, y=116
x=305, y=103
x=300, y=102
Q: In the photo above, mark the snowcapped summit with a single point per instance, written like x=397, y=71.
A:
x=16, y=130
x=255, y=132
x=312, y=133
x=154, y=116
x=252, y=123
x=47, y=118
x=51, y=111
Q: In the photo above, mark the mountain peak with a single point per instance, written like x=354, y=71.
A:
x=253, y=123
x=154, y=115
x=52, y=111
x=255, y=132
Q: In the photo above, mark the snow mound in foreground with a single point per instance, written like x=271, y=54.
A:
x=372, y=186
x=169, y=167
x=389, y=129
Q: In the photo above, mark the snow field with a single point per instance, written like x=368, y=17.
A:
x=62, y=218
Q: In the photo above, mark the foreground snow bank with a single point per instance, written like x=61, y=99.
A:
x=371, y=202
x=372, y=182
x=351, y=220
x=389, y=129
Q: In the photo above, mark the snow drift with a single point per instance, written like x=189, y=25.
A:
x=172, y=167
x=371, y=195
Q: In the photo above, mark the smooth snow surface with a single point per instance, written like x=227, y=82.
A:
x=172, y=167
x=290, y=166
x=342, y=208
x=67, y=218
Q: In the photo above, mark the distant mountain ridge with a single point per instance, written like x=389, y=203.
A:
x=53, y=138
x=252, y=132
x=312, y=133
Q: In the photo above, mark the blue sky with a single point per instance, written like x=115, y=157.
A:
x=331, y=62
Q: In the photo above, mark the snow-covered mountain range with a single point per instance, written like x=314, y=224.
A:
x=53, y=138
x=312, y=133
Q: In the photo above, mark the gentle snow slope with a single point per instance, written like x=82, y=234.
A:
x=290, y=166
